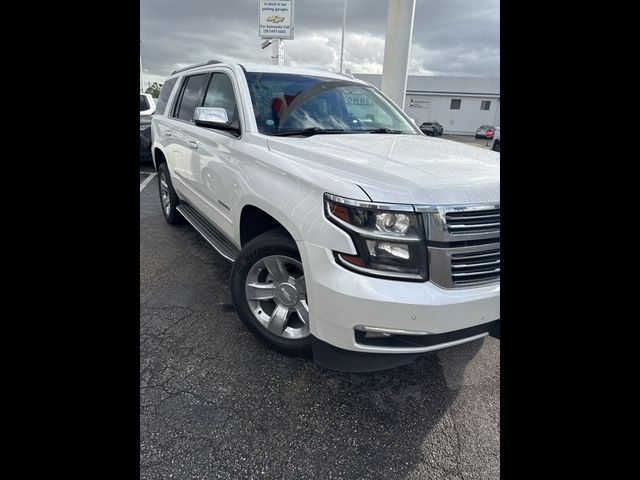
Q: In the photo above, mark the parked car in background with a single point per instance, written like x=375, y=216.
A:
x=147, y=104
x=484, y=131
x=351, y=234
x=496, y=140
x=147, y=109
x=432, y=128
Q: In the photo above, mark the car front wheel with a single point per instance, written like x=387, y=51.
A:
x=269, y=292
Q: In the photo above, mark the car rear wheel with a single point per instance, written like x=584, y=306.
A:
x=168, y=197
x=269, y=292
x=496, y=146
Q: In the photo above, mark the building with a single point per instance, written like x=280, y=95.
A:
x=459, y=104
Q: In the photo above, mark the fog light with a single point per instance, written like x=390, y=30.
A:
x=376, y=335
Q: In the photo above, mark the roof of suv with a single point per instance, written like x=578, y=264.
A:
x=254, y=67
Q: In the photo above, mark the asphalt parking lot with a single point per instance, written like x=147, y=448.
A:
x=216, y=403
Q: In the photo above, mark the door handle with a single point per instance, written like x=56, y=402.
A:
x=193, y=144
x=167, y=133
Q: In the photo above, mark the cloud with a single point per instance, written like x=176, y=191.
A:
x=450, y=37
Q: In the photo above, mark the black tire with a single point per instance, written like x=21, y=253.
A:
x=273, y=242
x=171, y=215
x=496, y=146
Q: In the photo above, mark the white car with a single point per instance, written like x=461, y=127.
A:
x=147, y=104
x=351, y=233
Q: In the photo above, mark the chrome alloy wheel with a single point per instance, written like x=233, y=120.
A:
x=164, y=194
x=277, y=296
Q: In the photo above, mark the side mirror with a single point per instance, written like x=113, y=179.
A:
x=210, y=117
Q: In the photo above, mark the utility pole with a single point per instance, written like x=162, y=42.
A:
x=344, y=24
x=397, y=46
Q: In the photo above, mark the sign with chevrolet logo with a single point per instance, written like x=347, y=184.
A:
x=275, y=19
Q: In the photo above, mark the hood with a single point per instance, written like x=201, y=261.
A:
x=412, y=169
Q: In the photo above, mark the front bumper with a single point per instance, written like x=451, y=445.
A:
x=349, y=361
x=341, y=300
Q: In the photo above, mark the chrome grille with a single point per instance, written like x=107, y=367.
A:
x=463, y=244
x=473, y=222
x=475, y=268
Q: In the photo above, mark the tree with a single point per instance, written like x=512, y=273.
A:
x=154, y=89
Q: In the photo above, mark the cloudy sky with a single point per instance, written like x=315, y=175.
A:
x=450, y=37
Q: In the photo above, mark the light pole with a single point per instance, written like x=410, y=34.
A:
x=141, y=72
x=344, y=24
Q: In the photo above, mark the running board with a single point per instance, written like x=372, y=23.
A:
x=210, y=233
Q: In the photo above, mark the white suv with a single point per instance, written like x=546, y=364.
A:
x=352, y=234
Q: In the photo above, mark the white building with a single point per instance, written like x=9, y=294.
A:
x=459, y=104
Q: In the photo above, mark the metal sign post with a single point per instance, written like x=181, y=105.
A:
x=277, y=55
x=275, y=23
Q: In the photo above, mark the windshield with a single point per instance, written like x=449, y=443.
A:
x=289, y=103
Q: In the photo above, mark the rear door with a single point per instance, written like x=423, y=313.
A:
x=182, y=153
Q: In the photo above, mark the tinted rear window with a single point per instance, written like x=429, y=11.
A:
x=165, y=93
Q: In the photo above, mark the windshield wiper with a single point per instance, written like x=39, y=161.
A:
x=307, y=132
x=382, y=130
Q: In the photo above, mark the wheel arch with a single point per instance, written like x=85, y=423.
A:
x=256, y=220
x=158, y=157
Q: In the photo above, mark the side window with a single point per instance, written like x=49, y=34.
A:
x=191, y=96
x=220, y=95
x=165, y=93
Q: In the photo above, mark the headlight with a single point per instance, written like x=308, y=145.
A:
x=144, y=126
x=389, y=238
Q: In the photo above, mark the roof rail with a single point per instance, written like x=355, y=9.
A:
x=210, y=62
